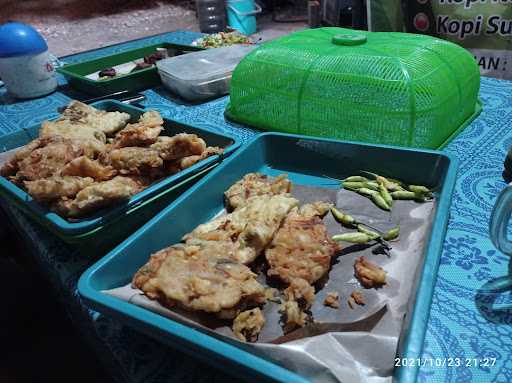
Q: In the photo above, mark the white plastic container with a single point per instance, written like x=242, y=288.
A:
x=26, y=67
x=202, y=75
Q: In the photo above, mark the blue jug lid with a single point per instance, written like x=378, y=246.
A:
x=18, y=39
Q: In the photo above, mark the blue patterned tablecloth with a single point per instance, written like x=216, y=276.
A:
x=462, y=324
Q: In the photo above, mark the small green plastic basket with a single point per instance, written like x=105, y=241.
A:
x=377, y=87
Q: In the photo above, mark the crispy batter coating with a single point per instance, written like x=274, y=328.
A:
x=368, y=273
x=91, y=139
x=300, y=291
x=134, y=160
x=292, y=316
x=107, y=122
x=48, y=189
x=187, y=162
x=248, y=324
x=179, y=146
x=250, y=228
x=97, y=196
x=356, y=297
x=182, y=275
x=302, y=248
x=47, y=160
x=332, y=300
x=256, y=184
x=85, y=167
x=143, y=133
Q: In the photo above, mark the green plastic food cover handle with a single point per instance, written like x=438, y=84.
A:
x=349, y=39
x=499, y=221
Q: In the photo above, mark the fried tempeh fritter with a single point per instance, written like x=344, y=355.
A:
x=250, y=228
x=97, y=196
x=255, y=184
x=91, y=139
x=179, y=146
x=52, y=188
x=85, y=167
x=302, y=248
x=186, y=276
x=142, y=133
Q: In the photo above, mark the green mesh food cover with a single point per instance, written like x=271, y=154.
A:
x=378, y=87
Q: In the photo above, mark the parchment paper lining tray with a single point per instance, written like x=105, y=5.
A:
x=361, y=343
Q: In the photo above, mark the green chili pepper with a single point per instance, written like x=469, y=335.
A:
x=403, y=195
x=344, y=219
x=392, y=234
x=385, y=195
x=367, y=192
x=373, y=235
x=353, y=185
x=352, y=237
x=419, y=189
x=372, y=185
x=355, y=179
x=380, y=202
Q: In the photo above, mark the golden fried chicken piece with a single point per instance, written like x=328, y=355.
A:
x=48, y=189
x=134, y=160
x=91, y=139
x=47, y=160
x=368, y=273
x=179, y=275
x=179, y=146
x=248, y=324
x=250, y=228
x=107, y=122
x=85, y=167
x=142, y=133
x=356, y=298
x=302, y=248
x=97, y=196
x=332, y=300
x=256, y=184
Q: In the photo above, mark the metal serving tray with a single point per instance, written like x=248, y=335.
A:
x=73, y=231
x=307, y=161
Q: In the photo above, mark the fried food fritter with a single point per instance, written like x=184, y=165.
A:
x=48, y=189
x=256, y=184
x=179, y=275
x=250, y=228
x=142, y=133
x=187, y=162
x=134, y=160
x=368, y=273
x=248, y=324
x=179, y=146
x=12, y=165
x=91, y=139
x=293, y=316
x=85, y=167
x=48, y=159
x=332, y=300
x=97, y=196
x=302, y=248
x=107, y=122
x=356, y=298
x=300, y=291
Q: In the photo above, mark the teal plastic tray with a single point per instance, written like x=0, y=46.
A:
x=80, y=230
x=307, y=161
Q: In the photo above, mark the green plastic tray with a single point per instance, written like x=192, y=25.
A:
x=143, y=79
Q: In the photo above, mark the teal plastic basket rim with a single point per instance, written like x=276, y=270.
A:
x=455, y=133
